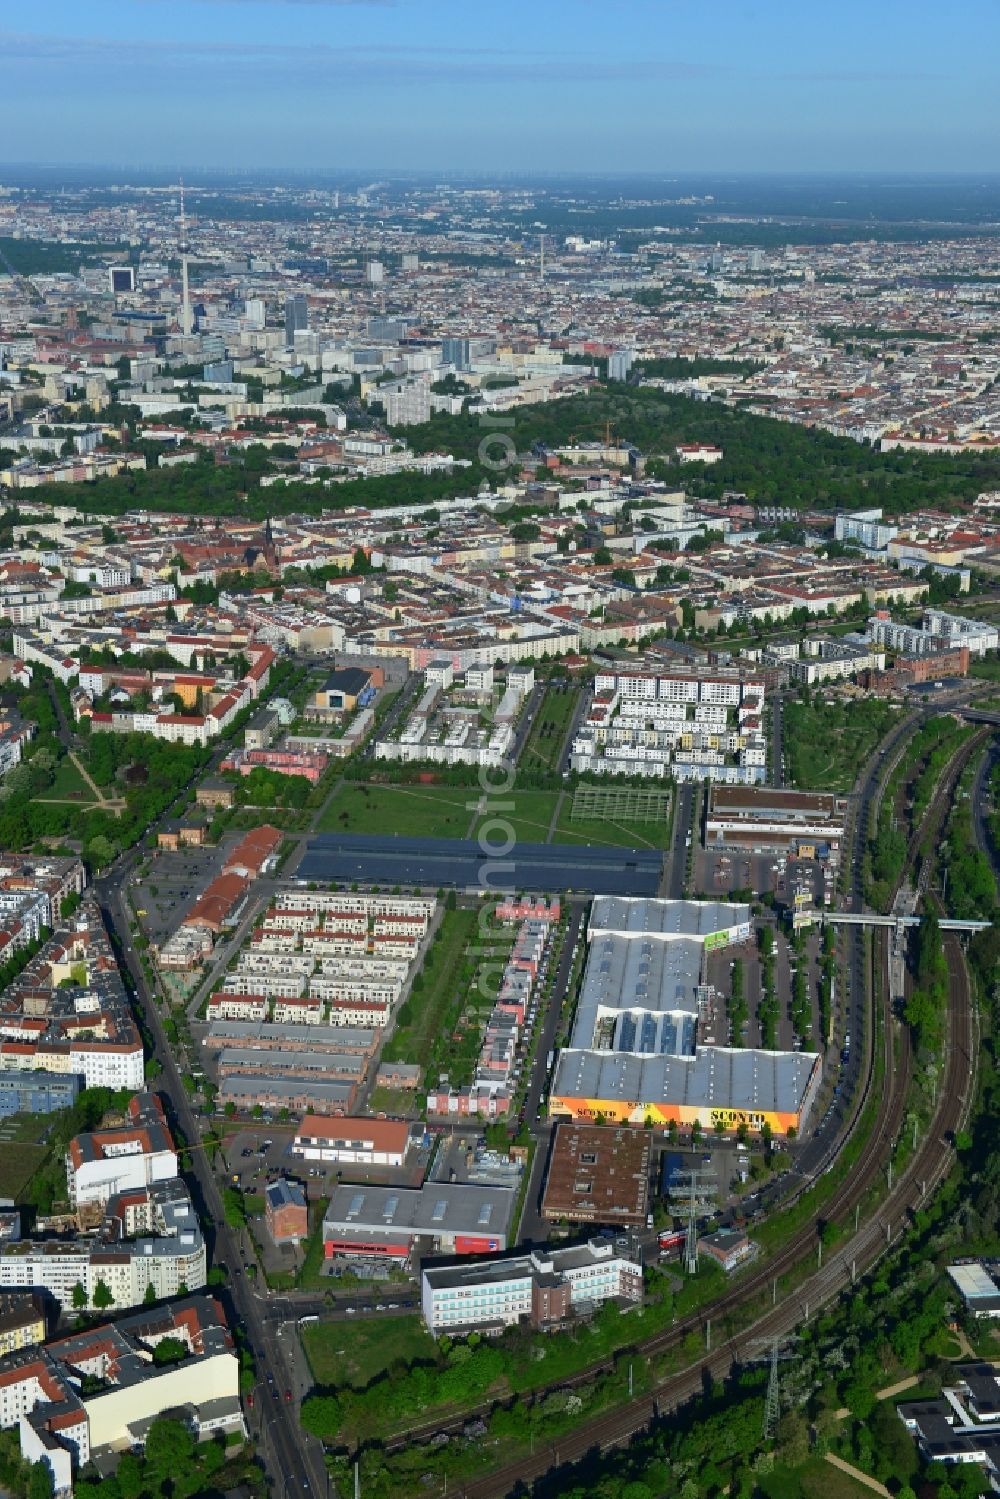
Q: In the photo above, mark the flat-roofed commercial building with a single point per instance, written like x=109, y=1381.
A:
x=264, y=1036
x=731, y=1086
x=299, y=1095
x=597, y=1174
x=759, y=819
x=323, y=1066
x=391, y=1223
x=713, y=923
x=543, y=1287
x=978, y=1283
x=391, y=859
x=355, y=1142
x=635, y=1056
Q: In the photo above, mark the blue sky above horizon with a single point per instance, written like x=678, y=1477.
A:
x=554, y=85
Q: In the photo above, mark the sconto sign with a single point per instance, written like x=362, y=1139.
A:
x=659, y=1115
x=733, y=1118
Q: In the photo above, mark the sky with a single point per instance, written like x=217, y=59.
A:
x=525, y=85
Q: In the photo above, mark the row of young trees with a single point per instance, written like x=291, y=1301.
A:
x=768, y=1010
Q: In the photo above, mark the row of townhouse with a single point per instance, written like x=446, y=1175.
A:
x=355, y=903
x=319, y=956
x=347, y=1008
x=642, y=724
x=492, y=1087
x=678, y=687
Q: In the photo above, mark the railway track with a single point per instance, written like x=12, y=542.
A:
x=927, y=1168
x=929, y=1164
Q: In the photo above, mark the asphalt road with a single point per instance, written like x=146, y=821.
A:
x=777, y=740
x=294, y=1461
x=404, y=702
x=676, y=859
x=531, y=1228
x=579, y=713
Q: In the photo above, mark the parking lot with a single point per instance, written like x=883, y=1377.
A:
x=786, y=960
x=719, y=872
x=256, y=1155
x=464, y=1158
x=173, y=884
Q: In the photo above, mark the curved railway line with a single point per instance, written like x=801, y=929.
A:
x=854, y=1255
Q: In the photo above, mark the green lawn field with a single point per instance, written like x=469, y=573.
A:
x=21, y=1154
x=421, y=1017
x=69, y=785
x=410, y=811
x=544, y=744
x=528, y=814
x=356, y=1352
x=612, y=834
x=827, y=742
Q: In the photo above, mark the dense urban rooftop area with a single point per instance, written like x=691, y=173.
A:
x=497, y=837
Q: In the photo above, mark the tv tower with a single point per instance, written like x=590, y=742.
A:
x=186, y=328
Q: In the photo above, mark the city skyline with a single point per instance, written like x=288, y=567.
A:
x=329, y=84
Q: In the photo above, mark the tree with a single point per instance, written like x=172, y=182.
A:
x=233, y=1208
x=41, y=1484
x=322, y=1415
x=169, y=1446
x=793, y=1439
x=149, y=1295
x=103, y=1297
x=100, y=851
x=79, y=1297
x=169, y=1351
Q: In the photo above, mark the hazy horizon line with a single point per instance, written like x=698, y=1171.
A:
x=530, y=173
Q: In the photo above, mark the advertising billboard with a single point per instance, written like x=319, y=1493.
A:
x=660, y=1115
x=475, y=1244
x=362, y=1247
